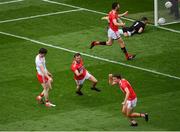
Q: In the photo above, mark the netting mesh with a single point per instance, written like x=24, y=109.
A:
x=169, y=14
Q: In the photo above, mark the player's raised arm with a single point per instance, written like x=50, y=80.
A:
x=123, y=14
x=111, y=82
x=110, y=79
x=75, y=69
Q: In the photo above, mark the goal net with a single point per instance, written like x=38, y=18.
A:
x=167, y=10
x=156, y=9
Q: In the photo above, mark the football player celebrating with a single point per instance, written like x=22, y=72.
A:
x=81, y=74
x=113, y=33
x=130, y=99
x=44, y=77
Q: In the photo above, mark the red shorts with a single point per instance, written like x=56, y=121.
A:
x=42, y=79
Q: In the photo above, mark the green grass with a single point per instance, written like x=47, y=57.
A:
x=174, y=26
x=156, y=49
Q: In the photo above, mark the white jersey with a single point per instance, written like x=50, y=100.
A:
x=40, y=62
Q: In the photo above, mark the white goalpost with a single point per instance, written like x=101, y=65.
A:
x=156, y=12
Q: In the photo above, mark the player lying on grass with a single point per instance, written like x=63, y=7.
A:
x=44, y=77
x=130, y=99
x=137, y=27
x=81, y=74
x=113, y=33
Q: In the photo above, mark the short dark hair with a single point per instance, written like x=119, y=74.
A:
x=114, y=5
x=144, y=19
x=43, y=51
x=117, y=76
x=77, y=54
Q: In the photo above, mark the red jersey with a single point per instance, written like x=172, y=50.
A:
x=113, y=15
x=125, y=84
x=78, y=66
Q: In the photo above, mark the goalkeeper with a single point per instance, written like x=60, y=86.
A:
x=136, y=28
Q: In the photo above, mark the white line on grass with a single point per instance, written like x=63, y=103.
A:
x=91, y=56
x=8, y=2
x=169, y=23
x=169, y=29
x=36, y=16
x=98, y=12
x=78, y=9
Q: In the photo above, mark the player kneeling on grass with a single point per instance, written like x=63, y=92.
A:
x=81, y=74
x=44, y=77
x=130, y=99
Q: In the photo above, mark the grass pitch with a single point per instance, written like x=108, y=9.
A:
x=156, y=50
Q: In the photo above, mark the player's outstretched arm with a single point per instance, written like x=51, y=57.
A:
x=123, y=14
x=105, y=18
x=140, y=30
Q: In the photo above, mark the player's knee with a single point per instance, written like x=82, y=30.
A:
x=45, y=86
x=48, y=85
x=94, y=80
x=50, y=81
x=46, y=89
x=121, y=41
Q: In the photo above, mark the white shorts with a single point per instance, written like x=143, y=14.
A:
x=80, y=82
x=113, y=35
x=122, y=33
x=131, y=103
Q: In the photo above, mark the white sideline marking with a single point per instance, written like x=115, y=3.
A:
x=36, y=16
x=14, y=1
x=91, y=56
x=98, y=12
x=78, y=9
